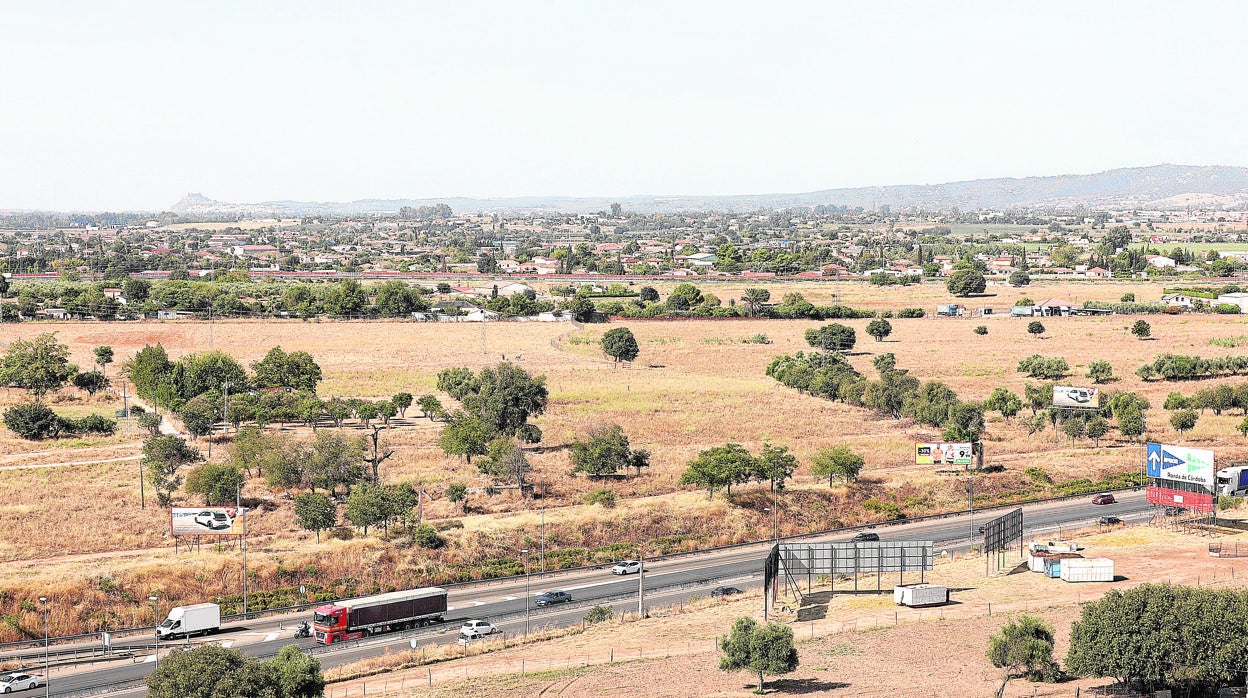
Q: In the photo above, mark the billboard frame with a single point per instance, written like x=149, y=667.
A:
x=1000, y=533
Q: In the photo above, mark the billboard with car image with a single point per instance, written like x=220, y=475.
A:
x=1071, y=396
x=205, y=521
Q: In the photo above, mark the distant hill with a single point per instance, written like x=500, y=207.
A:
x=1156, y=187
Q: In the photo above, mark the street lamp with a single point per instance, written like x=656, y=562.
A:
x=47, y=678
x=156, y=618
x=525, y=552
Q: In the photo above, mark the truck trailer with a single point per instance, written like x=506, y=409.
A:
x=185, y=621
x=1233, y=481
x=397, y=610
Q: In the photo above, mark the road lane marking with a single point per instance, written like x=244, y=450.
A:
x=510, y=598
x=227, y=643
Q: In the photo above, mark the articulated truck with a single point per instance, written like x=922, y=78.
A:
x=1233, y=481
x=398, y=610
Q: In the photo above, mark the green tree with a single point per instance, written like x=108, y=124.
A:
x=103, y=357
x=832, y=337
x=38, y=365
x=1100, y=371
x=648, y=294
x=295, y=371
x=966, y=282
x=505, y=397
x=719, y=466
x=465, y=435
x=606, y=451
x=582, y=309
x=1141, y=329
x=345, y=299
x=504, y=460
x=1184, y=420
x=1127, y=298
x=366, y=506
x=684, y=297
x=298, y=675
x=884, y=362
x=1097, y=428
x=1023, y=647
x=150, y=421
x=337, y=410
x=315, y=512
x=334, y=459
x=775, y=465
x=457, y=492
x=837, y=461
x=430, y=406
x=209, y=671
x=879, y=329
x=92, y=382
x=1020, y=278
x=1072, y=427
x=763, y=650
x=163, y=456
x=1036, y=328
x=754, y=298
x=367, y=412
x=396, y=299
x=402, y=401
x=199, y=415
x=217, y=483
x=1130, y=421
x=620, y=344
x=1004, y=401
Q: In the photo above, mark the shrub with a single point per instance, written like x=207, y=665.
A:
x=35, y=421
x=599, y=614
x=1038, y=476
x=426, y=536
x=342, y=533
x=603, y=495
x=981, y=330
x=910, y=313
x=96, y=424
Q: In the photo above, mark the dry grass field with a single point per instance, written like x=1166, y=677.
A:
x=694, y=385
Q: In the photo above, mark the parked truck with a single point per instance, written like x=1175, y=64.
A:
x=397, y=610
x=1233, y=481
x=185, y=621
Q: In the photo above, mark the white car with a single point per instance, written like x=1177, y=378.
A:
x=626, y=567
x=18, y=682
x=213, y=519
x=473, y=629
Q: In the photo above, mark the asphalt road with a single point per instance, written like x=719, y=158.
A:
x=504, y=603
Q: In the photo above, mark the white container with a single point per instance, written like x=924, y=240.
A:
x=1035, y=563
x=1096, y=569
x=918, y=595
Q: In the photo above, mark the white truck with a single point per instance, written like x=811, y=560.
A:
x=185, y=621
x=1233, y=481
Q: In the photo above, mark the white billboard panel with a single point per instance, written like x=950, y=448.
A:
x=1070, y=396
x=205, y=521
x=1180, y=464
x=944, y=454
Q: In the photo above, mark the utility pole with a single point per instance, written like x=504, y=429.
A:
x=543, y=526
x=47, y=676
x=238, y=502
x=225, y=409
x=970, y=489
x=525, y=552
x=641, y=583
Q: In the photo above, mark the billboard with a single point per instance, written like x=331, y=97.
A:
x=944, y=454
x=1180, y=464
x=1070, y=396
x=1177, y=498
x=205, y=521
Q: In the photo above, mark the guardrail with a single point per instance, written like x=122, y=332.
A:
x=581, y=568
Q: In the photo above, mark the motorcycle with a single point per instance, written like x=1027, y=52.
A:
x=304, y=630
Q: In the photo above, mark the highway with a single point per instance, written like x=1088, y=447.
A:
x=504, y=602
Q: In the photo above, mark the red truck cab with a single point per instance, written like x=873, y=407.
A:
x=329, y=625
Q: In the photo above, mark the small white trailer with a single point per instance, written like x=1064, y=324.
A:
x=1095, y=569
x=920, y=595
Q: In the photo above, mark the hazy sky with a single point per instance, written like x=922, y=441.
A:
x=131, y=105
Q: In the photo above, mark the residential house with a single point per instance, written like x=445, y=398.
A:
x=1157, y=260
x=1177, y=300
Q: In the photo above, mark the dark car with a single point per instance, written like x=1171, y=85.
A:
x=864, y=537
x=553, y=597
x=1109, y=521
x=983, y=528
x=1103, y=498
x=719, y=592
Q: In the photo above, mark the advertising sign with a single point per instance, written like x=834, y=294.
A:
x=205, y=521
x=1070, y=396
x=1180, y=464
x=1178, y=498
x=944, y=454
